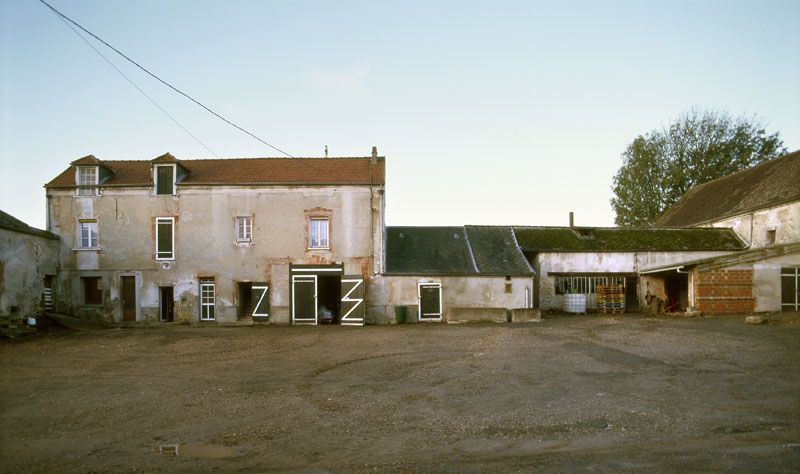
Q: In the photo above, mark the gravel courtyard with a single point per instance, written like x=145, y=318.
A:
x=570, y=393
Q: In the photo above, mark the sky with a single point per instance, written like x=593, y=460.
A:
x=488, y=112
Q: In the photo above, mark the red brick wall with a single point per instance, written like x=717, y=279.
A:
x=724, y=291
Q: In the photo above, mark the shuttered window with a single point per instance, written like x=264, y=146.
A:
x=165, y=238
x=165, y=179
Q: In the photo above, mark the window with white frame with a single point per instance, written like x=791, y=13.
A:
x=87, y=233
x=87, y=180
x=318, y=233
x=165, y=238
x=207, y=291
x=164, y=176
x=244, y=228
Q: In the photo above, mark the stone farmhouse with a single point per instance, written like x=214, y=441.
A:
x=304, y=241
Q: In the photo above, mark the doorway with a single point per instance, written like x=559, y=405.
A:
x=244, y=294
x=128, y=284
x=790, y=289
x=676, y=287
x=166, y=303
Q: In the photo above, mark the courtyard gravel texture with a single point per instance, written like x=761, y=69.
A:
x=570, y=393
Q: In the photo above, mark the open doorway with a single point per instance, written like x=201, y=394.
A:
x=676, y=287
x=244, y=295
x=166, y=303
x=329, y=298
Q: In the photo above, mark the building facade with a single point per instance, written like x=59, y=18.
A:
x=262, y=239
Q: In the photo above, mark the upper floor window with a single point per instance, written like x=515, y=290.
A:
x=164, y=176
x=318, y=233
x=244, y=229
x=87, y=180
x=165, y=238
x=87, y=233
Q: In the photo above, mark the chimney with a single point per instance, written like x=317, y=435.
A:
x=326, y=151
x=571, y=219
x=374, y=155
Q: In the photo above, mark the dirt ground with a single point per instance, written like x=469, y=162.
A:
x=570, y=393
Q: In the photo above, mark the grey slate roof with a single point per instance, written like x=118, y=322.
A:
x=471, y=250
x=769, y=184
x=9, y=222
x=617, y=239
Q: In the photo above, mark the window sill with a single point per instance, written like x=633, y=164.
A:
x=319, y=248
x=87, y=249
x=165, y=259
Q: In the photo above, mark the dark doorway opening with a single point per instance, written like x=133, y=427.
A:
x=329, y=298
x=244, y=293
x=128, y=298
x=166, y=303
x=631, y=294
x=676, y=286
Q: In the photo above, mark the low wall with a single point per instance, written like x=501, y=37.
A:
x=473, y=315
x=525, y=315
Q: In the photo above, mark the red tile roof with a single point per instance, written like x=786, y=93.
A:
x=243, y=171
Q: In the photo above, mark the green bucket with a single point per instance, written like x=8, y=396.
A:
x=400, y=313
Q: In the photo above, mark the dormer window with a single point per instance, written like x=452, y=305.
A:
x=87, y=180
x=164, y=179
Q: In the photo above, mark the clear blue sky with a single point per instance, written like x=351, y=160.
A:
x=488, y=112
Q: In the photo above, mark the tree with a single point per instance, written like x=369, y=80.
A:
x=659, y=167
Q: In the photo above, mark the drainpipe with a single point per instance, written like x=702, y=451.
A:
x=571, y=219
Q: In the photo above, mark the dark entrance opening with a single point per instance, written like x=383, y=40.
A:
x=676, y=286
x=329, y=298
x=166, y=303
x=244, y=293
x=631, y=294
x=128, y=298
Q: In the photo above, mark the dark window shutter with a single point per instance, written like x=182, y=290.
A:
x=164, y=180
x=165, y=239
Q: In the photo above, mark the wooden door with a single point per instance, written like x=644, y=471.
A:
x=128, y=298
x=260, y=298
x=352, y=301
x=790, y=289
x=304, y=299
x=430, y=301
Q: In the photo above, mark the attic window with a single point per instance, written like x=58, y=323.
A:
x=455, y=236
x=401, y=235
x=87, y=180
x=164, y=177
x=584, y=233
x=771, y=236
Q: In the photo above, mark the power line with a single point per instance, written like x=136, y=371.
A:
x=110, y=63
x=159, y=79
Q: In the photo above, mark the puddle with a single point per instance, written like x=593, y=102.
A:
x=204, y=451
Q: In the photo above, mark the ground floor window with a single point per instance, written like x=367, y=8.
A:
x=92, y=290
x=207, y=291
x=430, y=301
x=585, y=284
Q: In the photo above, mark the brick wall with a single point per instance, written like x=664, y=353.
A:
x=724, y=291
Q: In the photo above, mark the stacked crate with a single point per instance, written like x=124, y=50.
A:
x=610, y=299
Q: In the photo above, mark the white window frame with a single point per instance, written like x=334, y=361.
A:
x=171, y=220
x=320, y=245
x=174, y=179
x=205, y=314
x=92, y=244
x=247, y=234
x=87, y=188
x=419, y=300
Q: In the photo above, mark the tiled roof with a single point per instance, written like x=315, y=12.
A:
x=473, y=250
x=9, y=222
x=769, y=184
x=615, y=239
x=239, y=171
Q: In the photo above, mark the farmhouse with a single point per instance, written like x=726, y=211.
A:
x=284, y=240
x=762, y=205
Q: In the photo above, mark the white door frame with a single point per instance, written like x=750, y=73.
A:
x=419, y=299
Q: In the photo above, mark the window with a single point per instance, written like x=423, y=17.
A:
x=207, y=299
x=165, y=238
x=318, y=233
x=92, y=290
x=771, y=236
x=165, y=179
x=584, y=284
x=244, y=229
x=87, y=180
x=508, y=285
x=87, y=233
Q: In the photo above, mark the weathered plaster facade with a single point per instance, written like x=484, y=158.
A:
x=25, y=261
x=754, y=227
x=205, y=243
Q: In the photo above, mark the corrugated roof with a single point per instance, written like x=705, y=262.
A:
x=615, y=239
x=769, y=184
x=472, y=250
x=9, y=222
x=238, y=171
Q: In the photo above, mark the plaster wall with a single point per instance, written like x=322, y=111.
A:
x=205, y=243
x=767, y=281
x=25, y=259
x=386, y=292
x=752, y=227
